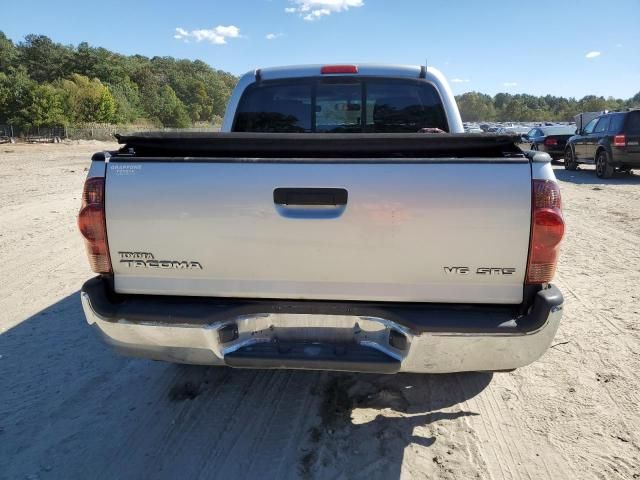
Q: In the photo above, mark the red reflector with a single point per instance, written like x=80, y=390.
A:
x=327, y=69
x=547, y=230
x=93, y=227
x=619, y=141
x=550, y=141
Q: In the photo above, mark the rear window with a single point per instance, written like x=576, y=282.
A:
x=340, y=105
x=617, y=120
x=633, y=123
x=603, y=125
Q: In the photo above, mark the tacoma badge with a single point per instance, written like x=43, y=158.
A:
x=147, y=260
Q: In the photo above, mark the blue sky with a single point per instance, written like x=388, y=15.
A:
x=560, y=47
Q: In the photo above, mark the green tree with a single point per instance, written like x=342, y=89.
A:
x=38, y=77
x=514, y=110
x=46, y=108
x=8, y=53
x=476, y=107
x=501, y=99
x=44, y=60
x=591, y=103
x=128, y=103
x=615, y=103
x=16, y=89
x=136, y=85
x=165, y=107
x=88, y=100
x=106, y=106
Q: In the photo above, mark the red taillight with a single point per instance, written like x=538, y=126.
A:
x=551, y=141
x=547, y=230
x=327, y=69
x=93, y=227
x=619, y=141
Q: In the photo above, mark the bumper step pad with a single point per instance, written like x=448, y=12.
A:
x=314, y=356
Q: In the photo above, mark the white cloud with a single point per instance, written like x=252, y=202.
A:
x=460, y=80
x=510, y=84
x=311, y=10
x=217, y=35
x=181, y=33
x=273, y=36
x=592, y=54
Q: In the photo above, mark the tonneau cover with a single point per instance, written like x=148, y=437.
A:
x=318, y=145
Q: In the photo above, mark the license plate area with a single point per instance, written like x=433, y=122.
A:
x=290, y=336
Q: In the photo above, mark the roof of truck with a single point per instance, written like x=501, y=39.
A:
x=366, y=69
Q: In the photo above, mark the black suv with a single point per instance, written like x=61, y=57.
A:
x=610, y=141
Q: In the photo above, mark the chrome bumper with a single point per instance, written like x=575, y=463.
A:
x=239, y=341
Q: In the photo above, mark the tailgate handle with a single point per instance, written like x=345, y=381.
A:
x=310, y=196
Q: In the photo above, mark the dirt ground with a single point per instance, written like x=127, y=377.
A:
x=69, y=408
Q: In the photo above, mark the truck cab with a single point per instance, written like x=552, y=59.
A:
x=342, y=99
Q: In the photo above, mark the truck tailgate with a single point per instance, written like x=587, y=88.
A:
x=439, y=230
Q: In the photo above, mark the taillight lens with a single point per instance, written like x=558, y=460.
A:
x=619, y=141
x=93, y=226
x=550, y=141
x=547, y=230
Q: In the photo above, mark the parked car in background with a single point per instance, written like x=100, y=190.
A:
x=550, y=139
x=610, y=141
x=583, y=118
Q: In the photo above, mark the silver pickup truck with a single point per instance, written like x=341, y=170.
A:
x=341, y=220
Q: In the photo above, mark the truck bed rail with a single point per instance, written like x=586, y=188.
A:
x=243, y=146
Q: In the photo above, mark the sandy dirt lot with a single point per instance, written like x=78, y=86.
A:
x=69, y=408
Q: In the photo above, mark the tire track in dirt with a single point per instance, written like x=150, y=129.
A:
x=510, y=450
x=280, y=458
x=242, y=437
x=178, y=441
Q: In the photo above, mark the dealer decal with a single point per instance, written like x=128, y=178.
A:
x=127, y=169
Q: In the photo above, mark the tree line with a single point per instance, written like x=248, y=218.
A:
x=505, y=107
x=43, y=83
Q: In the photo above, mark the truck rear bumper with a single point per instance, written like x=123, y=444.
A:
x=348, y=336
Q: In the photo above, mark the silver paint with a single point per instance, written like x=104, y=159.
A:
x=402, y=224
